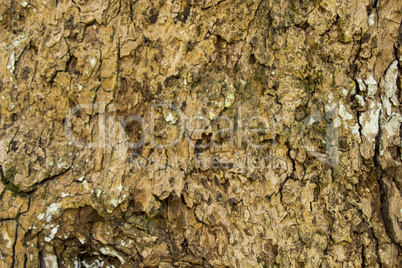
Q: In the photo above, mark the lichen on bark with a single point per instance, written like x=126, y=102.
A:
x=182, y=133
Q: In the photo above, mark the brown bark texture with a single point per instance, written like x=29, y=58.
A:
x=200, y=133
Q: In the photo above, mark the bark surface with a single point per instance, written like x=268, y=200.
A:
x=213, y=133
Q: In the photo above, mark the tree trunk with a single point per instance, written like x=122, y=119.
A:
x=214, y=133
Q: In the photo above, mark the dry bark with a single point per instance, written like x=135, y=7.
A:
x=325, y=75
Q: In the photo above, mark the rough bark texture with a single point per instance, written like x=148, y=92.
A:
x=326, y=74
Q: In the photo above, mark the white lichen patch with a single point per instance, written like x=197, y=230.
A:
x=63, y=194
x=369, y=121
x=126, y=244
x=371, y=85
x=115, y=202
x=85, y=184
x=361, y=84
x=112, y=253
x=390, y=87
x=97, y=263
x=7, y=238
x=392, y=126
x=21, y=38
x=50, y=261
x=120, y=188
x=387, y=106
x=170, y=119
x=371, y=19
x=92, y=62
x=360, y=100
x=98, y=192
x=337, y=122
x=52, y=210
x=11, y=66
x=212, y=115
x=229, y=100
x=310, y=121
x=61, y=164
x=343, y=113
x=354, y=129
x=348, y=120
x=53, y=232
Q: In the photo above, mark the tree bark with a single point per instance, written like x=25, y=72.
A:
x=183, y=133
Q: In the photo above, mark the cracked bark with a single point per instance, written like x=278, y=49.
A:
x=287, y=61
